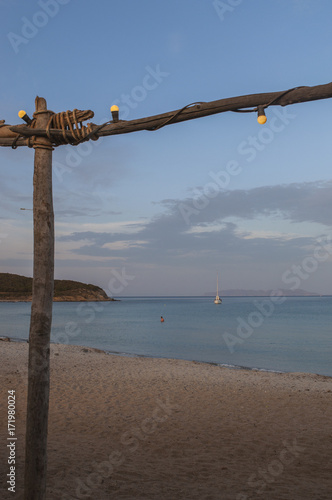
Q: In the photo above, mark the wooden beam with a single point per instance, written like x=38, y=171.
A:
x=41, y=316
x=6, y=132
x=190, y=112
x=199, y=110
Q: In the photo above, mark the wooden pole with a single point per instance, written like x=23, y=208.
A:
x=41, y=315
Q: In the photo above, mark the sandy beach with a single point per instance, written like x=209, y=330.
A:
x=143, y=428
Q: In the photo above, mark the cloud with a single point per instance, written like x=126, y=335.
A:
x=306, y=202
x=169, y=239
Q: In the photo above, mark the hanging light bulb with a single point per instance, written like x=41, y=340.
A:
x=261, y=118
x=22, y=114
x=115, y=113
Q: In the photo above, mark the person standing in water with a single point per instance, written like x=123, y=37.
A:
x=162, y=319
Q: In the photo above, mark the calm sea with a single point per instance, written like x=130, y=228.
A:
x=252, y=332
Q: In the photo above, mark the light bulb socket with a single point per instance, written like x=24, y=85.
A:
x=261, y=117
x=115, y=113
x=22, y=114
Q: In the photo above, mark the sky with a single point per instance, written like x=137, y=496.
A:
x=164, y=212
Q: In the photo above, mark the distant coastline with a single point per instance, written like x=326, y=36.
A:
x=16, y=288
x=263, y=293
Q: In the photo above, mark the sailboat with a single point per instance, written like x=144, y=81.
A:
x=217, y=300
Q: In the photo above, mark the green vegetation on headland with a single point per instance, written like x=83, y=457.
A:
x=15, y=288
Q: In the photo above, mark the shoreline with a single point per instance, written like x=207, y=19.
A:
x=147, y=356
x=15, y=301
x=151, y=428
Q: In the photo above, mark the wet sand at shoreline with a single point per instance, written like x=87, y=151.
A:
x=145, y=428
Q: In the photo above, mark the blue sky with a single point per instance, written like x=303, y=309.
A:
x=153, y=213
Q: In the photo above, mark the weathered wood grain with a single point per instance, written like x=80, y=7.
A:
x=41, y=317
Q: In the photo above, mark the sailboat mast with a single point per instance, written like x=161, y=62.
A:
x=217, y=299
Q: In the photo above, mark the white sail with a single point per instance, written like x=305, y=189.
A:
x=217, y=300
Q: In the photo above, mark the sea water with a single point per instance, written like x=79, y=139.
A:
x=288, y=334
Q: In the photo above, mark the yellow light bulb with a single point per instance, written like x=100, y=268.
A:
x=22, y=114
x=114, y=108
x=261, y=119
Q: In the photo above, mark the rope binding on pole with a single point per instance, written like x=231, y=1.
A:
x=70, y=121
x=65, y=121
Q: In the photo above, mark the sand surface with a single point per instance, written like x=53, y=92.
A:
x=140, y=428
